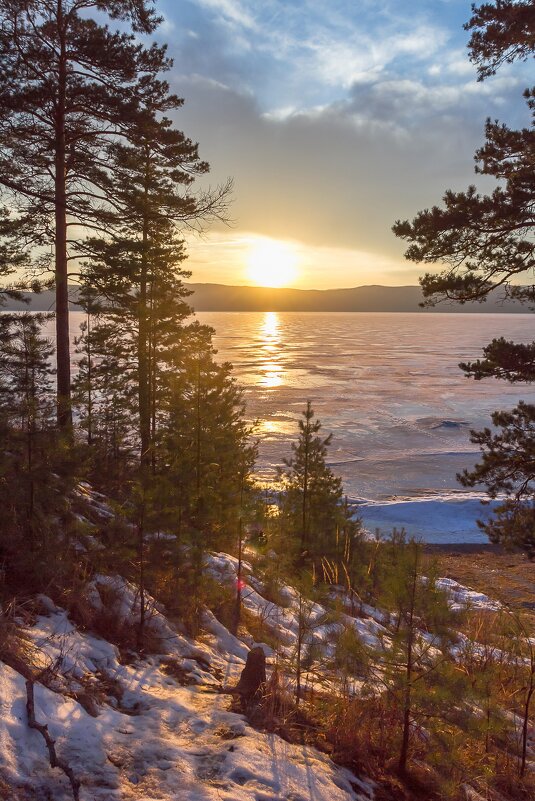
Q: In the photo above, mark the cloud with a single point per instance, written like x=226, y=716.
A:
x=299, y=53
x=406, y=103
x=329, y=178
x=359, y=57
x=232, y=11
x=331, y=125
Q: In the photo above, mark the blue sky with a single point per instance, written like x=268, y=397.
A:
x=334, y=119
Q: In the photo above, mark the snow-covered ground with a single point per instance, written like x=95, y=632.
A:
x=159, y=728
x=462, y=597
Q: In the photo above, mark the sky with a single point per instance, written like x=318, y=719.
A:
x=334, y=118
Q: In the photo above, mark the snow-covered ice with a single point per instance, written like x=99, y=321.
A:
x=432, y=519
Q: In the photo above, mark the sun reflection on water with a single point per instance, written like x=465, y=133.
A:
x=270, y=348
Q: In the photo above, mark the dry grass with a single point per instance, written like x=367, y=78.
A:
x=277, y=707
x=363, y=733
x=172, y=667
x=16, y=650
x=509, y=578
x=10, y=793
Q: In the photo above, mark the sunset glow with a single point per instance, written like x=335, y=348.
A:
x=272, y=263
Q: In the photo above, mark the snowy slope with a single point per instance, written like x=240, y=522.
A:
x=157, y=728
x=152, y=737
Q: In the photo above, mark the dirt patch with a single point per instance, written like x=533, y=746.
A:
x=509, y=578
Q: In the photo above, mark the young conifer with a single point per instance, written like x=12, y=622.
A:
x=409, y=659
x=312, y=505
x=37, y=470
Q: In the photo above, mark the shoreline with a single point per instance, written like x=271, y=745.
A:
x=459, y=548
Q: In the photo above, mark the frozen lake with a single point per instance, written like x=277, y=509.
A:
x=389, y=388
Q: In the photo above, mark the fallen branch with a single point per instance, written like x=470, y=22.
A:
x=55, y=761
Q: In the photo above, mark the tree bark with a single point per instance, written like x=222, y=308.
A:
x=525, y=724
x=63, y=376
x=143, y=336
x=141, y=557
x=253, y=676
x=407, y=700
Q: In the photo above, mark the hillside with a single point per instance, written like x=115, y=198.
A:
x=159, y=722
x=220, y=297
x=133, y=727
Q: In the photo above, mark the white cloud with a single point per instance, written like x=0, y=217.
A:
x=232, y=11
x=326, y=48
x=330, y=131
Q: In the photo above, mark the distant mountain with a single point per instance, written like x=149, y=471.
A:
x=41, y=301
x=220, y=297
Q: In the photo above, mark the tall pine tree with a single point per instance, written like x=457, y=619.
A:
x=137, y=271
x=486, y=243
x=68, y=84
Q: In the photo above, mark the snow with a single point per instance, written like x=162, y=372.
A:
x=124, y=599
x=223, y=640
x=155, y=738
x=321, y=628
x=436, y=519
x=94, y=502
x=461, y=597
x=76, y=654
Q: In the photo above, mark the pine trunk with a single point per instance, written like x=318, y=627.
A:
x=407, y=700
x=143, y=339
x=63, y=376
x=525, y=725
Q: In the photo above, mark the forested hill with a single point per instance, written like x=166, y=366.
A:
x=219, y=297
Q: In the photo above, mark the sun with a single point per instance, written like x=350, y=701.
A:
x=272, y=263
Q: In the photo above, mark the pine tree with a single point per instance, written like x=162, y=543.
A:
x=207, y=448
x=138, y=271
x=104, y=399
x=68, y=84
x=312, y=506
x=36, y=470
x=486, y=241
x=507, y=469
x=408, y=660
x=25, y=368
x=502, y=32
x=13, y=256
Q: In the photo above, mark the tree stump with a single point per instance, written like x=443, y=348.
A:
x=252, y=679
